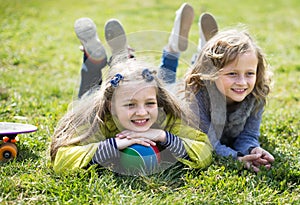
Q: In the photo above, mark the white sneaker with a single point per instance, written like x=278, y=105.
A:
x=115, y=36
x=178, y=40
x=207, y=29
x=86, y=32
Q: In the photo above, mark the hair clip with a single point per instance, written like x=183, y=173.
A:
x=116, y=79
x=147, y=75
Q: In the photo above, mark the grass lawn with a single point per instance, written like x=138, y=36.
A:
x=39, y=77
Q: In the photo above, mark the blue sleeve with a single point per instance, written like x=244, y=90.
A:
x=224, y=151
x=249, y=136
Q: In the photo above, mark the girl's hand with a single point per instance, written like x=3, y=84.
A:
x=266, y=158
x=248, y=161
x=155, y=135
x=258, y=157
x=122, y=143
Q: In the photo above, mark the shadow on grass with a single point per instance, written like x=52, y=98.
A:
x=283, y=146
x=284, y=174
x=171, y=178
x=25, y=153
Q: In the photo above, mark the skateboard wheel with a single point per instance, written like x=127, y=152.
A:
x=8, y=151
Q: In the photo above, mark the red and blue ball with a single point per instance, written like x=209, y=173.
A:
x=139, y=159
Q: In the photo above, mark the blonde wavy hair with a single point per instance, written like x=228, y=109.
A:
x=86, y=115
x=223, y=49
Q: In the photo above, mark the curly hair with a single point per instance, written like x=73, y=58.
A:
x=221, y=50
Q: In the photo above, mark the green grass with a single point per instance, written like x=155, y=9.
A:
x=39, y=67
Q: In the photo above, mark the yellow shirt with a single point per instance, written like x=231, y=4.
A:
x=196, y=143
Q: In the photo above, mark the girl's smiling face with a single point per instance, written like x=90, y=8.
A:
x=135, y=106
x=237, y=79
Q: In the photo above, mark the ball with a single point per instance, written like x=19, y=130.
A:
x=140, y=159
